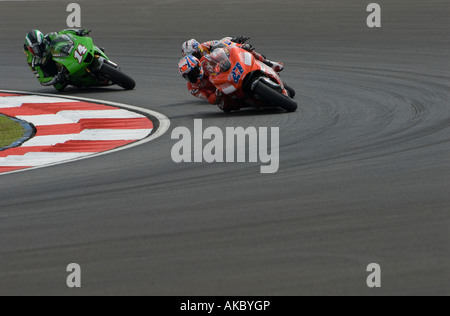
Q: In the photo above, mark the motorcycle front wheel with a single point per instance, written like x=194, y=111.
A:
x=118, y=77
x=274, y=98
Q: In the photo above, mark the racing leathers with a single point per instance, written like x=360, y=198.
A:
x=207, y=91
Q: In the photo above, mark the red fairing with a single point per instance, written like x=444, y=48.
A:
x=241, y=63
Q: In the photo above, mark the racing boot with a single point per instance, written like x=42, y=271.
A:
x=275, y=65
x=61, y=81
x=229, y=107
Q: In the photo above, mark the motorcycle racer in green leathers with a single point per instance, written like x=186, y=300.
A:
x=40, y=50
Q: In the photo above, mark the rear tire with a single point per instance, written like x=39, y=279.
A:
x=118, y=77
x=274, y=98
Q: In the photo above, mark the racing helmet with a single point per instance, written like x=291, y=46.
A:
x=35, y=43
x=191, y=47
x=191, y=69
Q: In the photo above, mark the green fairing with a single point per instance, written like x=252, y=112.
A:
x=75, y=53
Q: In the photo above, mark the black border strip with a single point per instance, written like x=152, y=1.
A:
x=29, y=133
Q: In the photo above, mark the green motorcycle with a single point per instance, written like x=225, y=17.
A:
x=84, y=64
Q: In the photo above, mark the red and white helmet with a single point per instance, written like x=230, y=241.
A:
x=191, y=69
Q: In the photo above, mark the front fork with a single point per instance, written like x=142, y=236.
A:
x=270, y=83
x=99, y=62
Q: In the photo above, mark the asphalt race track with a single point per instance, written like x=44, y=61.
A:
x=364, y=172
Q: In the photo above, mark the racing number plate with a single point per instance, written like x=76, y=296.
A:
x=79, y=53
x=236, y=73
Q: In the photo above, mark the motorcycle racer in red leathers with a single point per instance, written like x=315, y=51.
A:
x=191, y=67
x=199, y=86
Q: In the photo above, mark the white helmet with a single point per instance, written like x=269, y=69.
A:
x=35, y=43
x=191, y=47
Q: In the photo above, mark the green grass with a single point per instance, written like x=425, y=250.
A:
x=10, y=131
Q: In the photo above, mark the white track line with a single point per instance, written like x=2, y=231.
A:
x=15, y=102
x=89, y=135
x=112, y=134
x=69, y=117
x=76, y=116
x=164, y=125
x=46, y=119
x=39, y=159
x=50, y=140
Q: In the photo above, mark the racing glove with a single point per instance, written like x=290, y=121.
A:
x=80, y=32
x=36, y=62
x=240, y=39
x=61, y=77
x=248, y=47
x=84, y=32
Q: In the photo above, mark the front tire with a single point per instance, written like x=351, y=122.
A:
x=290, y=90
x=273, y=98
x=118, y=77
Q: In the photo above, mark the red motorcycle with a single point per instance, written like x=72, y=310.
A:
x=242, y=78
